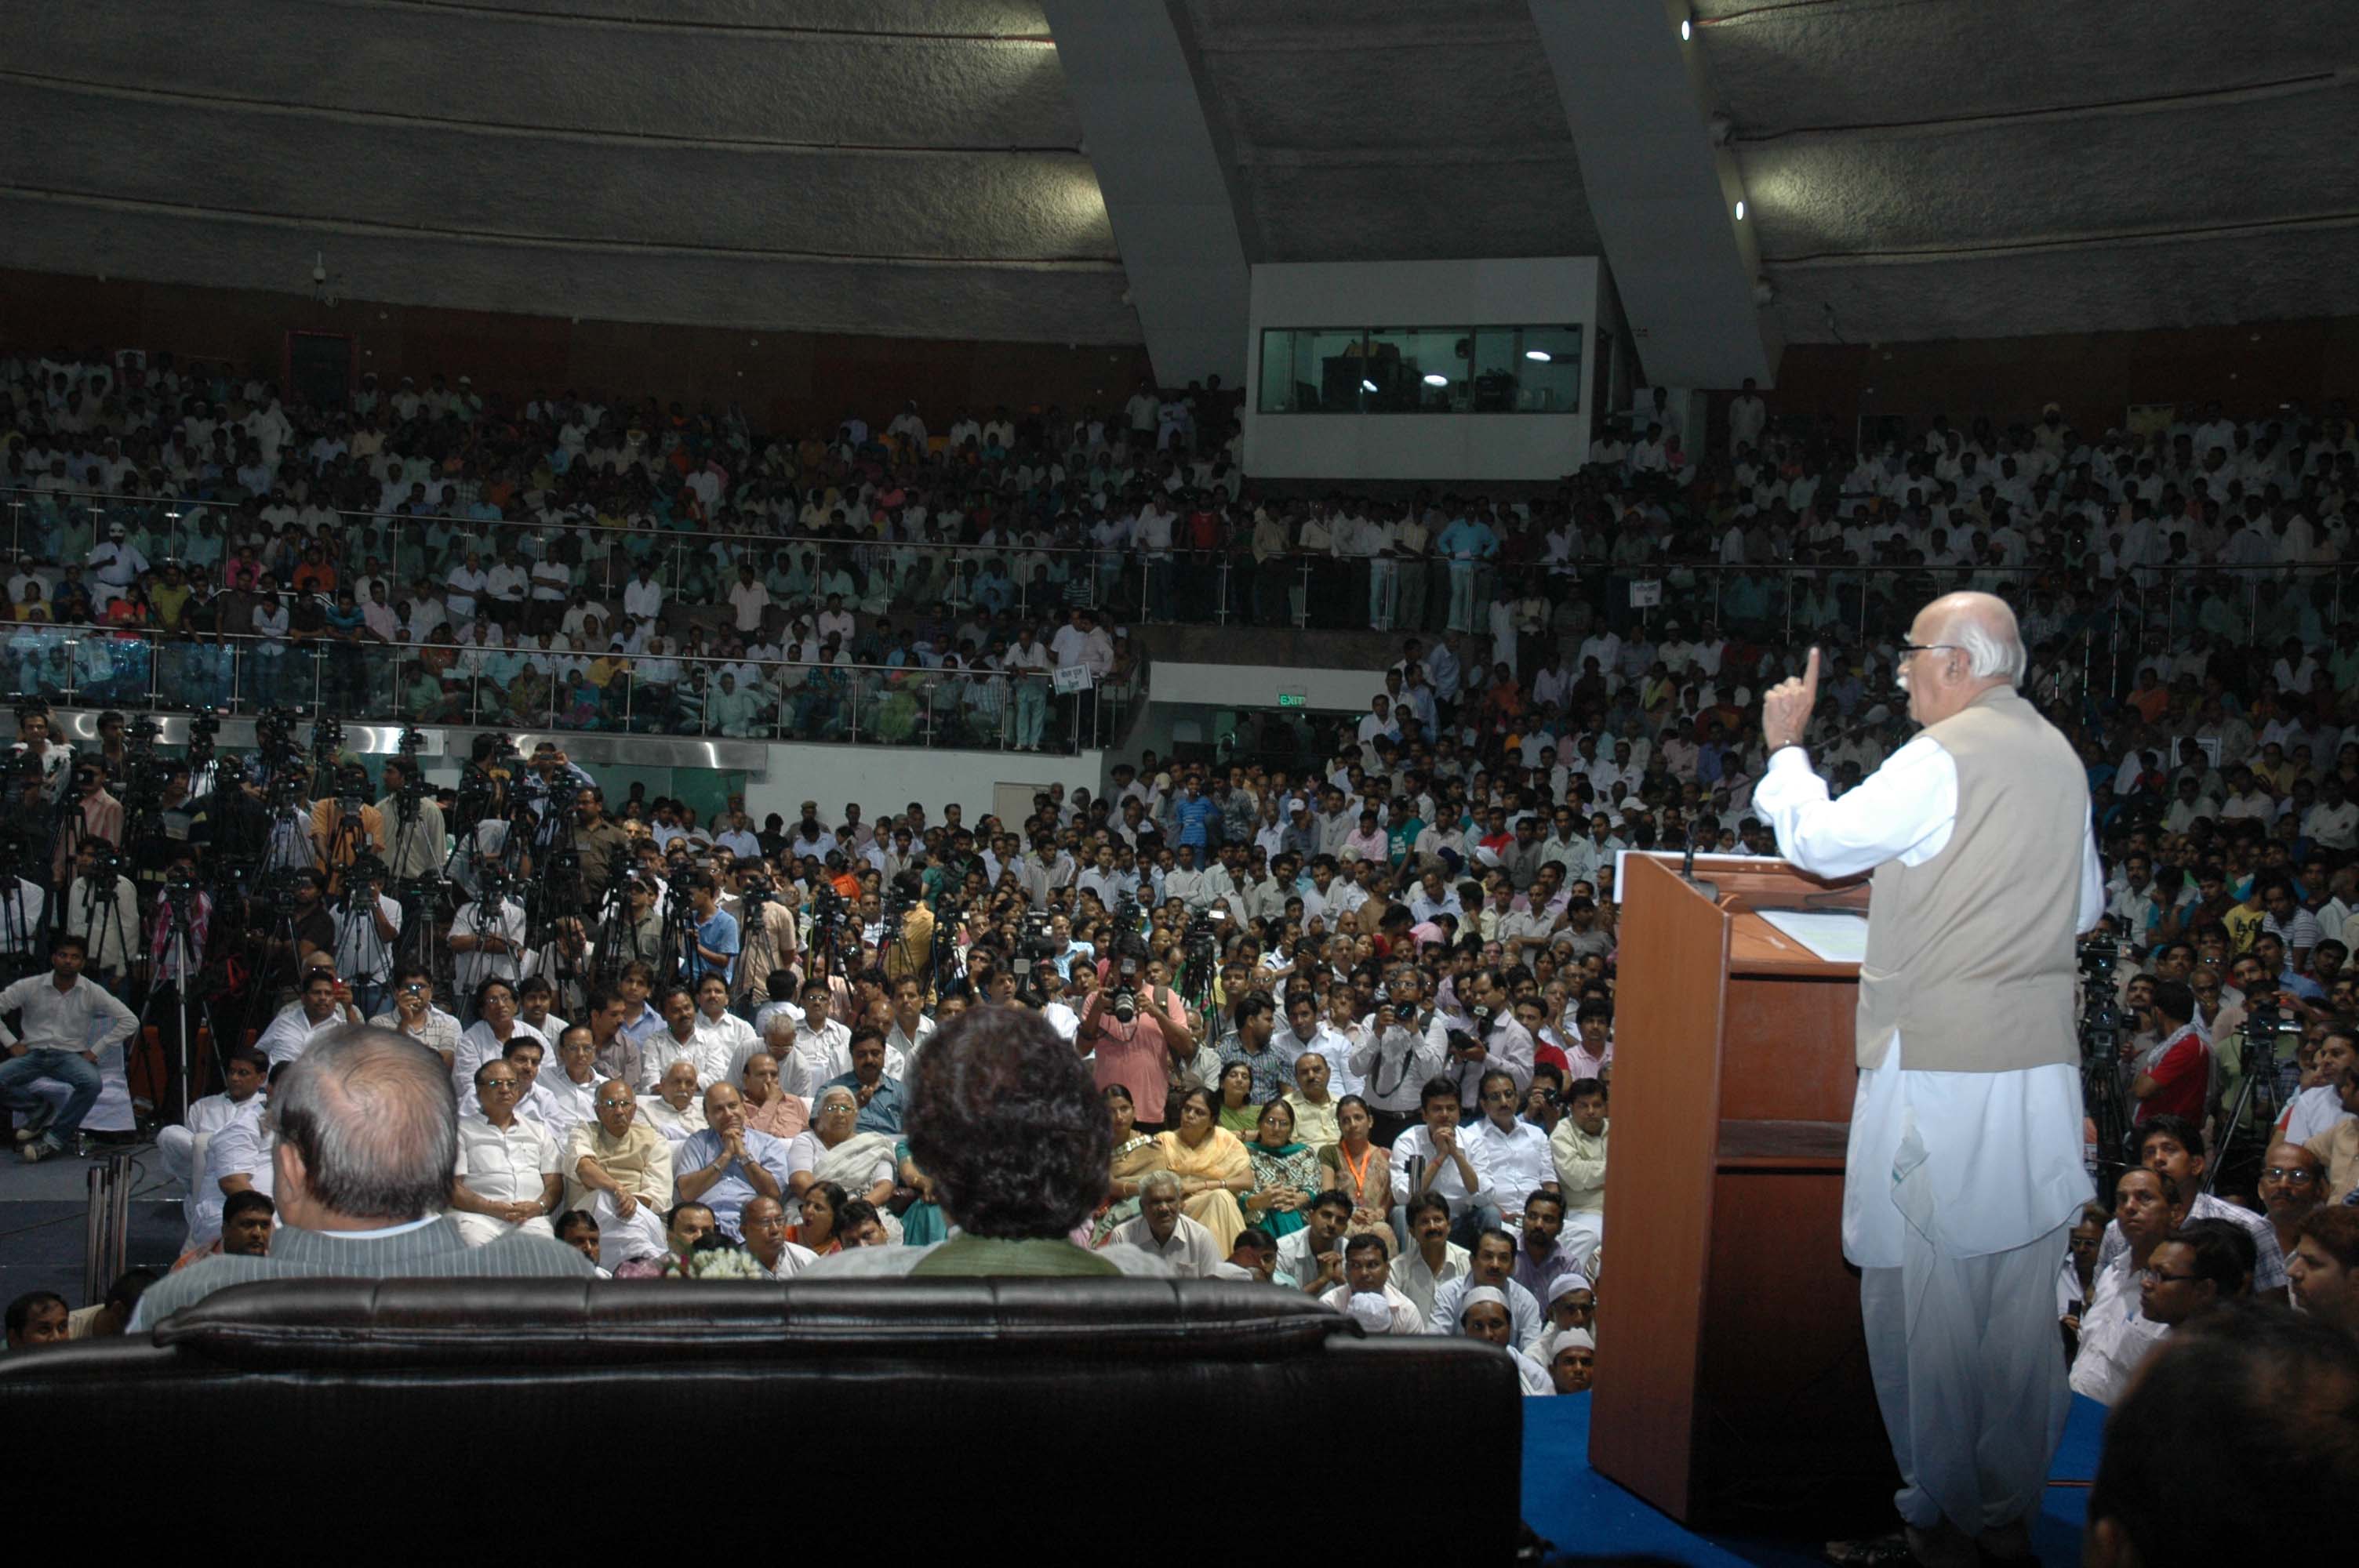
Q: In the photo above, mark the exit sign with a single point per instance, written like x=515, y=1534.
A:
x=1293, y=699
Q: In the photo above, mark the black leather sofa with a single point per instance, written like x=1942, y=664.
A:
x=886, y=1421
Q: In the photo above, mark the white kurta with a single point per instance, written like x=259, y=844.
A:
x=1958, y=1191
x=1992, y=1160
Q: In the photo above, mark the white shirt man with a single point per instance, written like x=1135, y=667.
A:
x=504, y=1164
x=1514, y=1161
x=364, y=953
x=1189, y=1249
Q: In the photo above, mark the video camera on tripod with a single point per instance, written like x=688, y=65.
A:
x=2102, y=1025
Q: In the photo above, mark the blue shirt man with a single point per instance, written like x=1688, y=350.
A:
x=1196, y=818
x=727, y=1195
x=716, y=937
x=882, y=1110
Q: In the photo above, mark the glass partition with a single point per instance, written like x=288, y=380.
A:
x=1421, y=370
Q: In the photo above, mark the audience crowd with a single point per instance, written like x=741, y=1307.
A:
x=1351, y=1023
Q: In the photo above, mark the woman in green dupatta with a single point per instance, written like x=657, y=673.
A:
x=1285, y=1173
x=921, y=1222
x=1238, y=1113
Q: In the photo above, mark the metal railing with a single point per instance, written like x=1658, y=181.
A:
x=537, y=688
x=914, y=580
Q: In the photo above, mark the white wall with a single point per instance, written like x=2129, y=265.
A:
x=1258, y=686
x=884, y=779
x=1524, y=291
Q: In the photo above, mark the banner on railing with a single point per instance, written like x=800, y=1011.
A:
x=1072, y=678
x=1646, y=595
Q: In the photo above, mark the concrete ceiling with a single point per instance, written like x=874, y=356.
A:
x=899, y=167
x=1919, y=168
x=1926, y=169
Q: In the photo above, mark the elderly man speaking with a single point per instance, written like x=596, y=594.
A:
x=1964, y=1172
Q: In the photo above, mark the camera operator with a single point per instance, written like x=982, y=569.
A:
x=712, y=948
x=911, y=955
x=102, y=909
x=231, y=821
x=23, y=907
x=566, y=961
x=638, y=934
x=94, y=814
x=766, y=930
x=487, y=933
x=416, y=842
x=345, y=826
x=368, y=924
x=597, y=838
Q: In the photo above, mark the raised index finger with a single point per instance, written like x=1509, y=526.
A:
x=1811, y=671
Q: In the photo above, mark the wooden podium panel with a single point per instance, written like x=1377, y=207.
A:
x=1735, y=1380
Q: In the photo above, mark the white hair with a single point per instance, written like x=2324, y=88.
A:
x=1990, y=653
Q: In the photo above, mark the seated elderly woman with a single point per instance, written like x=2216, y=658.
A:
x=1285, y=1173
x=835, y=1150
x=1003, y=1117
x=1212, y=1167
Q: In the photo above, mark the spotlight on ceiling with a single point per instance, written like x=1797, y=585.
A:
x=1542, y=355
x=1367, y=386
x=1435, y=378
x=1686, y=26
x=1740, y=209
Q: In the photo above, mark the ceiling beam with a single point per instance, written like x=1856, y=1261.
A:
x=1133, y=81
x=1663, y=196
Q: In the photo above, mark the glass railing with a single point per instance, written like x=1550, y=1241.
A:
x=536, y=688
x=913, y=583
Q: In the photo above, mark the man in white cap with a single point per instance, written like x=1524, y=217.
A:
x=1571, y=1357
x=1483, y=1315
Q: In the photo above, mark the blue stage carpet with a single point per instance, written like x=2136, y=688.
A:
x=1587, y=1515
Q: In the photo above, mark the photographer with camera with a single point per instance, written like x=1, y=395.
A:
x=91, y=812
x=415, y=1015
x=1139, y=1031
x=417, y=840
x=910, y=953
x=765, y=930
x=487, y=933
x=344, y=826
x=368, y=924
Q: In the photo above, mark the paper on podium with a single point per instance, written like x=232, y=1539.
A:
x=1839, y=936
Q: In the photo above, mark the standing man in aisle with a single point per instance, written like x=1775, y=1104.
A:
x=1964, y=1172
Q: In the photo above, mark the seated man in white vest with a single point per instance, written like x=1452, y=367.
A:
x=618, y=1170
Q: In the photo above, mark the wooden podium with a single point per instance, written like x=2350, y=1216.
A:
x=1733, y=1384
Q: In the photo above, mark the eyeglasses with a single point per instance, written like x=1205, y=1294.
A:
x=2289, y=1174
x=1908, y=650
x=2156, y=1277
x=498, y=1086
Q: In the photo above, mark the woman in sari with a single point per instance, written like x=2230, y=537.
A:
x=1358, y=1165
x=1238, y=1113
x=823, y=1201
x=1212, y=1167
x=1134, y=1156
x=835, y=1150
x=1285, y=1173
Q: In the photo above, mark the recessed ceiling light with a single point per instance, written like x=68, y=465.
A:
x=1367, y=386
x=1740, y=209
x=1540, y=354
x=1435, y=378
x=1687, y=28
